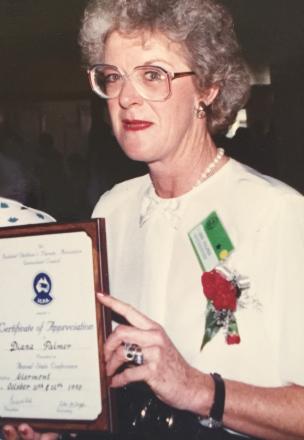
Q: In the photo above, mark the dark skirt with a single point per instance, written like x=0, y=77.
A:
x=142, y=416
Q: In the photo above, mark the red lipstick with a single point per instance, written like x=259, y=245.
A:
x=135, y=124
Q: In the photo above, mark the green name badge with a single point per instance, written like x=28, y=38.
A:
x=210, y=242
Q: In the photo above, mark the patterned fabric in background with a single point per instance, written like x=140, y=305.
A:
x=13, y=213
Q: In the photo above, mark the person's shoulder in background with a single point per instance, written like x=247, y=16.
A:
x=13, y=213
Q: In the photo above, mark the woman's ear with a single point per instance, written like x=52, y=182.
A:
x=209, y=95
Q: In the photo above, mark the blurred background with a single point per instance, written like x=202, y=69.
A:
x=57, y=152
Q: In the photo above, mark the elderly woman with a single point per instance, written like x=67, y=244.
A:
x=204, y=253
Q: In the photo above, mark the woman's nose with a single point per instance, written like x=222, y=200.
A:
x=129, y=95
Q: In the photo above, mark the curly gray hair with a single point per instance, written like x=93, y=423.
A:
x=204, y=27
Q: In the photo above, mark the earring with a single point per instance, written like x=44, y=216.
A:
x=200, y=111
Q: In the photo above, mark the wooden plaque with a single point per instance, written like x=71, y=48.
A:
x=52, y=329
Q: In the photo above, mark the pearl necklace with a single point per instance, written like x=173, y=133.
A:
x=206, y=173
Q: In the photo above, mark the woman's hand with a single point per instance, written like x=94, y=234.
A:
x=25, y=432
x=171, y=378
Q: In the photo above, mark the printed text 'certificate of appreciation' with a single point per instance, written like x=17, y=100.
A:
x=50, y=360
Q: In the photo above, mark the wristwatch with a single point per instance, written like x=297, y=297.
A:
x=215, y=418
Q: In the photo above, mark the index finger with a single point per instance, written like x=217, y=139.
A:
x=133, y=316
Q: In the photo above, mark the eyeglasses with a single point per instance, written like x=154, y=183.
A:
x=151, y=82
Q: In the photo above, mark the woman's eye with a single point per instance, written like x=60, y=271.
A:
x=153, y=75
x=111, y=77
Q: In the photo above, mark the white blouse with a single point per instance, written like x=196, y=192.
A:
x=153, y=266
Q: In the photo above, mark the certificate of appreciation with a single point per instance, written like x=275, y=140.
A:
x=51, y=328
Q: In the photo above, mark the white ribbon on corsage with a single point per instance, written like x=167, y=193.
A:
x=241, y=281
x=243, y=284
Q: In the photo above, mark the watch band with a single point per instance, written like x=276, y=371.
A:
x=215, y=418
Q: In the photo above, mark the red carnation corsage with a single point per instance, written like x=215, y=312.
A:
x=222, y=289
